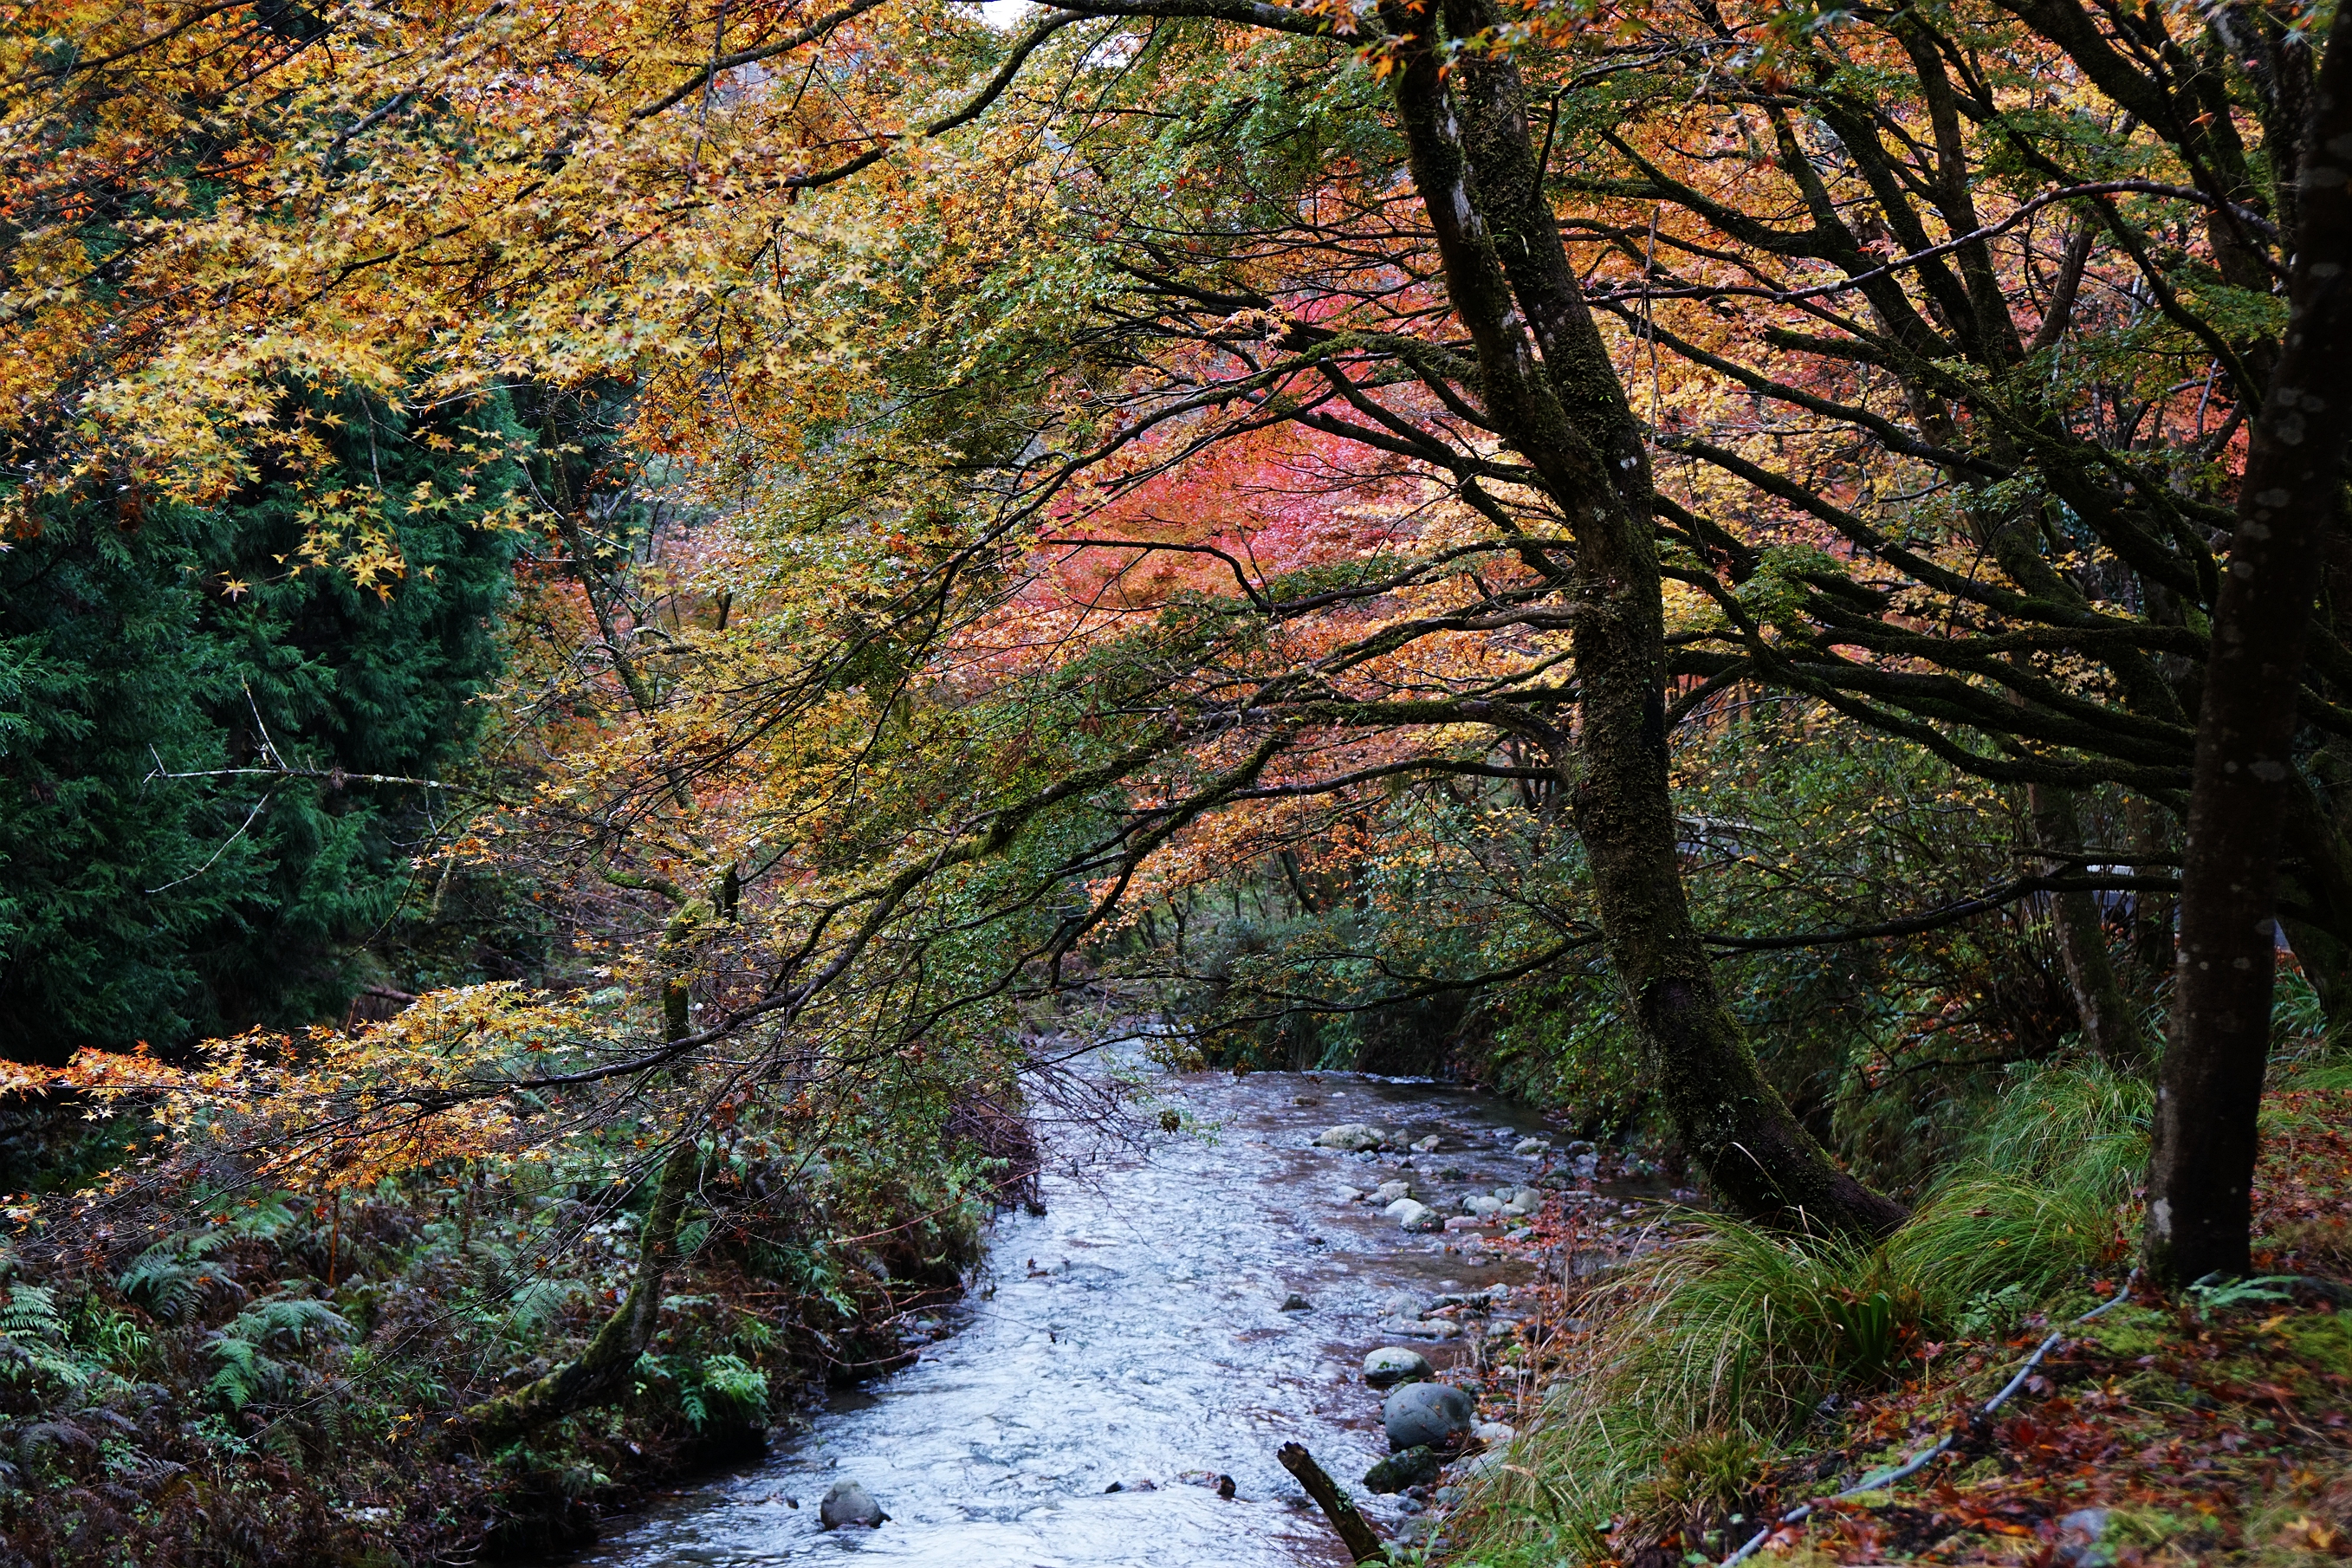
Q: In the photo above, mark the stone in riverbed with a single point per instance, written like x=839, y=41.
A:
x=1493, y=1433
x=1526, y=1148
x=1421, y=1328
x=1467, y=1220
x=845, y=1503
x=1387, y=1193
x=1483, y=1206
x=1425, y=1414
x=1413, y=1216
x=1413, y=1468
x=1353, y=1137
x=1425, y=1145
x=1294, y=1303
x=1393, y=1365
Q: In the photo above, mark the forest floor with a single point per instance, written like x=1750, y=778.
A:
x=2214, y=1428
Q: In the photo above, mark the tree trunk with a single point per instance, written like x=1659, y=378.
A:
x=2110, y=1024
x=1555, y=396
x=2201, y=1173
x=603, y=1371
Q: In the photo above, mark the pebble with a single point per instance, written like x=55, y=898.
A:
x=1393, y=1365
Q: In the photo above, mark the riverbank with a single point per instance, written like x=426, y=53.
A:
x=1727, y=1378
x=264, y=1386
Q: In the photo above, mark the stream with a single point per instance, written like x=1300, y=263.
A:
x=1126, y=1348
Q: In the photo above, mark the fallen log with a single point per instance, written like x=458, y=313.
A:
x=1354, y=1530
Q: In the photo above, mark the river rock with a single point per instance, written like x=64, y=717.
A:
x=1421, y=1328
x=1294, y=1303
x=1393, y=1365
x=1387, y=1193
x=1411, y=1215
x=1493, y=1433
x=1481, y=1206
x=1352, y=1137
x=1478, y=1466
x=1467, y=1220
x=1413, y=1468
x=1425, y=1145
x=1522, y=1201
x=1585, y=1167
x=1526, y=1148
x=1425, y=1414
x=1353, y=1195
x=845, y=1503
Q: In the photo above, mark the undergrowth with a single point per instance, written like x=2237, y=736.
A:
x=263, y=1386
x=1730, y=1351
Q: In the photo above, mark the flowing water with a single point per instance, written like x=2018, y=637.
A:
x=1134, y=1336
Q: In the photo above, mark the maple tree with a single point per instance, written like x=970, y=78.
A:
x=1074, y=450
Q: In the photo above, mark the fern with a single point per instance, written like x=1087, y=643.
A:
x=170, y=1277
x=246, y=1370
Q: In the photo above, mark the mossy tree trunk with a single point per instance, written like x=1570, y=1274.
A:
x=604, y=1371
x=1550, y=390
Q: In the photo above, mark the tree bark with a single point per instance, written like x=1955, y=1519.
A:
x=2209, y=1091
x=604, y=1371
x=1354, y=1531
x=2109, y=1021
x=1548, y=386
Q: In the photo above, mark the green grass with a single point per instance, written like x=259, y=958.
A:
x=1716, y=1353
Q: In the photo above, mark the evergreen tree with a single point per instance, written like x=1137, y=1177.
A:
x=173, y=639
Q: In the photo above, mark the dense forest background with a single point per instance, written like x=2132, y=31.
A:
x=621, y=623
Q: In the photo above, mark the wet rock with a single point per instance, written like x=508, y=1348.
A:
x=1483, y=1206
x=1389, y=1192
x=1466, y=1222
x=1425, y=1414
x=1413, y=1468
x=1420, y=1327
x=1414, y=1217
x=1477, y=1467
x=1493, y=1433
x=847, y=1504
x=1520, y=1202
x=1585, y=1167
x=1425, y=1145
x=1353, y=1137
x=1393, y=1365
x=1353, y=1195
x=1294, y=1303
x=1526, y=1148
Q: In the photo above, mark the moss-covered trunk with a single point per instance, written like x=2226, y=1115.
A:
x=1550, y=390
